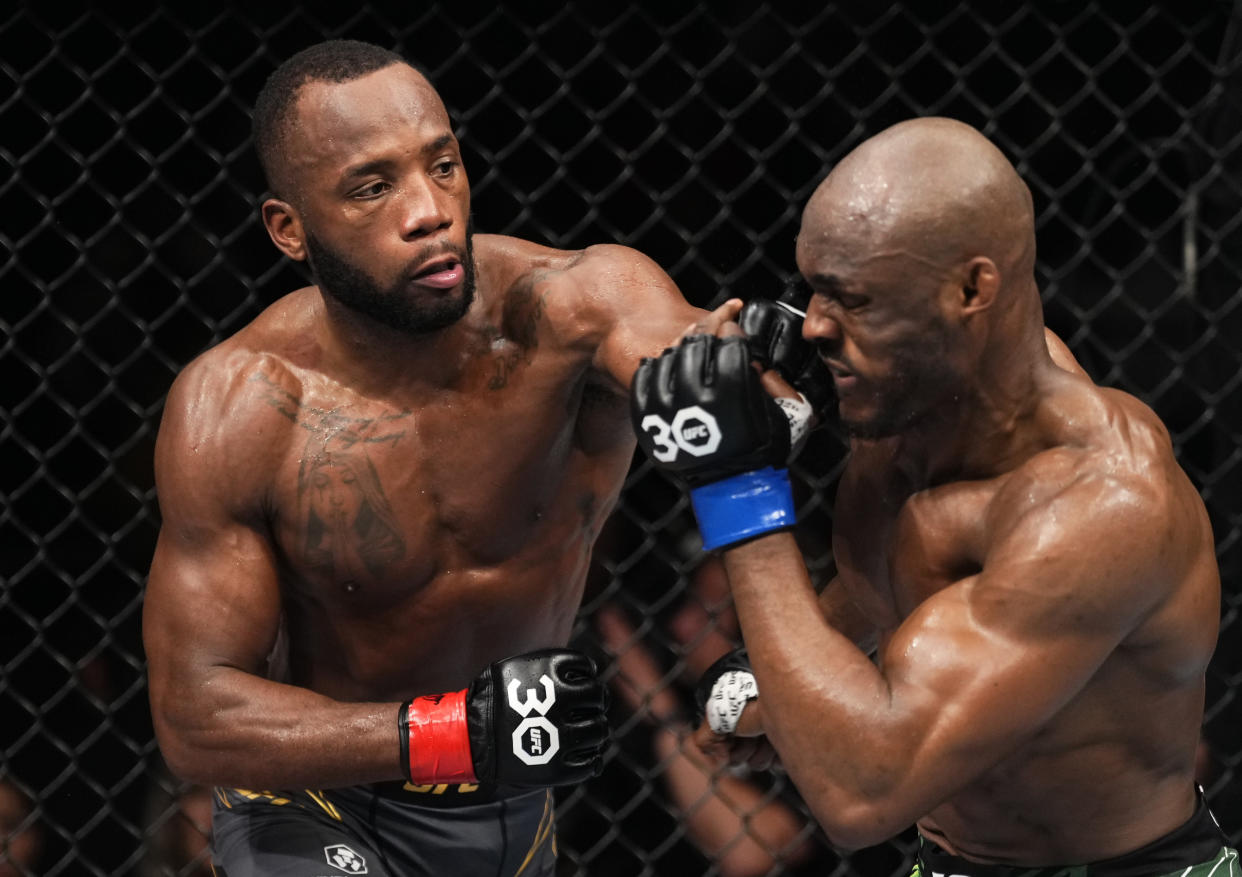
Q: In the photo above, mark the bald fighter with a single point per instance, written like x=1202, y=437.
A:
x=1032, y=568
x=379, y=501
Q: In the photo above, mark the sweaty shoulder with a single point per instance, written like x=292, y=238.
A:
x=1110, y=496
x=229, y=412
x=610, y=301
x=1102, y=437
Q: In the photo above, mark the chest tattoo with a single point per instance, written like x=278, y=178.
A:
x=349, y=532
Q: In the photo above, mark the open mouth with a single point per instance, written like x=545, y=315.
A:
x=441, y=273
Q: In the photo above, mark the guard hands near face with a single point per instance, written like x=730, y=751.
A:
x=533, y=720
x=702, y=412
x=773, y=329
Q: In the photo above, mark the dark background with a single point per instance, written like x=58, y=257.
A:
x=695, y=133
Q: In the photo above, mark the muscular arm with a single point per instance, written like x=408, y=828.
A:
x=212, y=614
x=639, y=308
x=968, y=677
x=843, y=615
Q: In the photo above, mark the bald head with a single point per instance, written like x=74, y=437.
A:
x=920, y=249
x=934, y=190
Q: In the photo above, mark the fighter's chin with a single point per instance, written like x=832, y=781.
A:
x=868, y=430
x=884, y=424
x=411, y=313
x=868, y=425
x=434, y=314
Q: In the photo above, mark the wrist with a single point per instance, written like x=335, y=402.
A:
x=435, y=740
x=743, y=506
x=801, y=418
x=730, y=695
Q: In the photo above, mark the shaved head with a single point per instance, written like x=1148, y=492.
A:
x=933, y=189
x=920, y=249
x=275, y=107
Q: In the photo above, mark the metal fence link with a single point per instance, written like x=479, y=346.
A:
x=692, y=132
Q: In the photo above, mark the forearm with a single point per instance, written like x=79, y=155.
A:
x=826, y=706
x=242, y=730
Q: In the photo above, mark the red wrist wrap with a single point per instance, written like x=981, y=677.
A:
x=439, y=741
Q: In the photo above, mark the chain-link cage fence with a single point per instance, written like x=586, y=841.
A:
x=692, y=132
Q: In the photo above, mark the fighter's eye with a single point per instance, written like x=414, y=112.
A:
x=850, y=301
x=444, y=167
x=371, y=190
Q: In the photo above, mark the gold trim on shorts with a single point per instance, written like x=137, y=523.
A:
x=547, y=822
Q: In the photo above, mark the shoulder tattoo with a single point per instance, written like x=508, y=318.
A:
x=517, y=339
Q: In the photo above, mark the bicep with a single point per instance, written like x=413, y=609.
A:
x=212, y=598
x=844, y=616
x=986, y=663
x=977, y=690
x=643, y=310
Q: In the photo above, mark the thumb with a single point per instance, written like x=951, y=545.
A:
x=776, y=386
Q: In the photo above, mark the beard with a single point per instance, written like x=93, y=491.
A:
x=393, y=305
x=917, y=387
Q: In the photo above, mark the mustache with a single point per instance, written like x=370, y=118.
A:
x=826, y=352
x=431, y=251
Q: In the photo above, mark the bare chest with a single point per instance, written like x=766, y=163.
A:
x=375, y=501
x=928, y=541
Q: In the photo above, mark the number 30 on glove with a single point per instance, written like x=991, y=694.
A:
x=701, y=413
x=528, y=721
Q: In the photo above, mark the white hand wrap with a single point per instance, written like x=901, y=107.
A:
x=799, y=413
x=730, y=694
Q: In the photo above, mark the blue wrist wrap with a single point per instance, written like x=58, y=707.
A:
x=742, y=506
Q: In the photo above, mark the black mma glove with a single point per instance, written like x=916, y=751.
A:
x=533, y=720
x=701, y=413
x=725, y=689
x=774, y=334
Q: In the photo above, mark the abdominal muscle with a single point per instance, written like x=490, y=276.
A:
x=437, y=635
x=1092, y=785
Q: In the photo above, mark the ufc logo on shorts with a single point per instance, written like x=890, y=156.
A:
x=535, y=740
x=341, y=856
x=693, y=430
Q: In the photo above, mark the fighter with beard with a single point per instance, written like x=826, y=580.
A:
x=379, y=501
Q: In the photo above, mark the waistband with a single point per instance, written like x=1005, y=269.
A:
x=446, y=795
x=1199, y=839
x=443, y=796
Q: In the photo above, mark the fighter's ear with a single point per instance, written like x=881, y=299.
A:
x=980, y=283
x=284, y=227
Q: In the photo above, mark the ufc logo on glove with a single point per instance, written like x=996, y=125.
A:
x=529, y=721
x=705, y=398
x=528, y=737
x=693, y=430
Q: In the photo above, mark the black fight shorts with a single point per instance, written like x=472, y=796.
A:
x=386, y=829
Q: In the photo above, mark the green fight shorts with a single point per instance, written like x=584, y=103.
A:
x=1196, y=849
x=385, y=829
